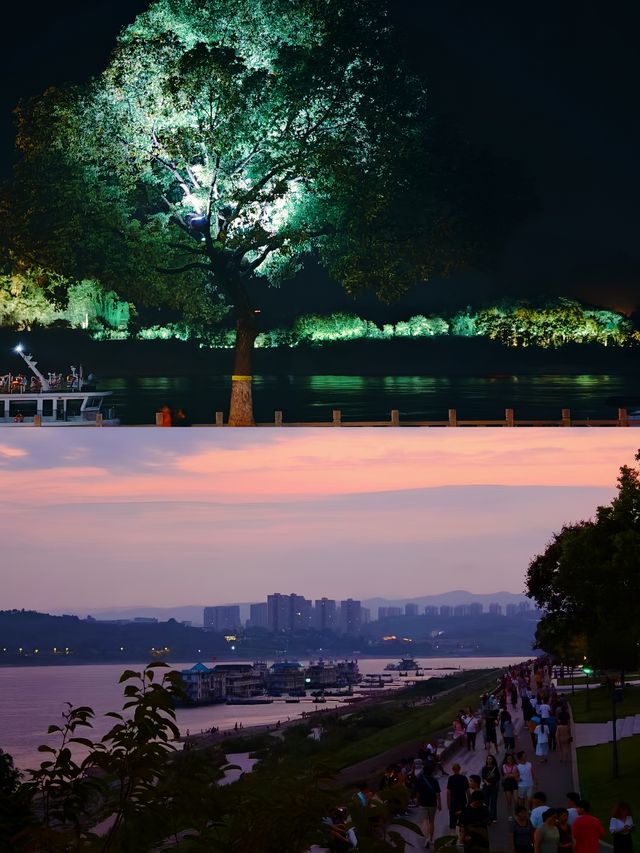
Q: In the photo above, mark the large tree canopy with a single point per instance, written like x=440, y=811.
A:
x=587, y=583
x=227, y=139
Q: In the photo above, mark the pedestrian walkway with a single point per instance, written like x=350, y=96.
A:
x=554, y=778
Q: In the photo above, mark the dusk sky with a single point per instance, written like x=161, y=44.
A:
x=97, y=518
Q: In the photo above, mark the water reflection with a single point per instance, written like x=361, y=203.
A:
x=313, y=398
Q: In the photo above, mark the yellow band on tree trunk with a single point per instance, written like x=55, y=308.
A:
x=241, y=378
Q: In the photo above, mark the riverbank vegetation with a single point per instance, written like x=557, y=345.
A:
x=25, y=304
x=586, y=584
x=132, y=790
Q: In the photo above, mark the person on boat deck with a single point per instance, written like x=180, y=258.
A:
x=165, y=411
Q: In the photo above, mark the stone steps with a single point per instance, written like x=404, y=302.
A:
x=592, y=734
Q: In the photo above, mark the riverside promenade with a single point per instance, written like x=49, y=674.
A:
x=554, y=778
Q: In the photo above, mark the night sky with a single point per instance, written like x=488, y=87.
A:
x=552, y=86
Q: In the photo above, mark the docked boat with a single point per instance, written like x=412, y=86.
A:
x=405, y=665
x=54, y=399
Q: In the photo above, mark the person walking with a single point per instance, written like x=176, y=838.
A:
x=428, y=796
x=587, y=830
x=490, y=775
x=471, y=729
x=490, y=734
x=521, y=832
x=621, y=827
x=565, y=845
x=526, y=781
x=547, y=836
x=541, y=732
x=510, y=778
x=508, y=734
x=457, y=788
x=563, y=733
x=474, y=823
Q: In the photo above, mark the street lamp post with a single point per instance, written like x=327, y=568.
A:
x=587, y=671
x=617, y=695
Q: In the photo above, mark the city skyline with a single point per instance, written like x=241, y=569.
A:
x=126, y=517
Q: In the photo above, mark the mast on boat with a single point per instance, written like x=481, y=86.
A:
x=33, y=365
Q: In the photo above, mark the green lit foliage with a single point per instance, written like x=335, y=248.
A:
x=228, y=139
x=586, y=582
x=422, y=327
x=24, y=303
x=247, y=114
x=556, y=323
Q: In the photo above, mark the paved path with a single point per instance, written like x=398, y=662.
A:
x=554, y=778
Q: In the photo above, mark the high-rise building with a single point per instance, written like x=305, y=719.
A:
x=301, y=611
x=325, y=614
x=445, y=610
x=432, y=610
x=278, y=612
x=389, y=612
x=511, y=609
x=258, y=615
x=495, y=609
x=350, y=616
x=461, y=610
x=288, y=612
x=411, y=609
x=475, y=609
x=222, y=618
x=523, y=606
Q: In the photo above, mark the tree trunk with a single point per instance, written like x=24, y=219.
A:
x=241, y=408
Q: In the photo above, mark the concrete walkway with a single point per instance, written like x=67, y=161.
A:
x=554, y=778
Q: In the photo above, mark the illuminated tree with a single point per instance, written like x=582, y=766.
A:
x=227, y=139
x=587, y=583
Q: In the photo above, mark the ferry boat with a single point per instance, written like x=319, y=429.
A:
x=404, y=665
x=53, y=400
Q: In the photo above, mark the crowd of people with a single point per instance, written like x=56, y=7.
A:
x=533, y=824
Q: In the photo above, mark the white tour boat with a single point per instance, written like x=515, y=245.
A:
x=53, y=400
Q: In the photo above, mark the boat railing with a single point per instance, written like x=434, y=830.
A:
x=17, y=385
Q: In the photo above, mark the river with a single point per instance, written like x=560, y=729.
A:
x=371, y=398
x=32, y=698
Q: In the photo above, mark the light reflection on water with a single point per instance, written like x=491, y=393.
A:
x=312, y=398
x=32, y=698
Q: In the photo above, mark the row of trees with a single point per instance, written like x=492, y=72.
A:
x=229, y=139
x=23, y=304
x=586, y=581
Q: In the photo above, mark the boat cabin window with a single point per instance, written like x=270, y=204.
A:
x=23, y=408
x=93, y=403
x=47, y=408
x=73, y=408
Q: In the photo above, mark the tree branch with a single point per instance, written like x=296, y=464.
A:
x=184, y=268
x=184, y=248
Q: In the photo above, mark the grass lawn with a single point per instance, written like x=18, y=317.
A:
x=414, y=724
x=596, y=783
x=593, y=679
x=600, y=699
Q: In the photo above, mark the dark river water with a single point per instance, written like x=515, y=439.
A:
x=312, y=398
